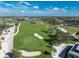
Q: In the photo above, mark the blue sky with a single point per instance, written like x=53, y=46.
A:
x=39, y=8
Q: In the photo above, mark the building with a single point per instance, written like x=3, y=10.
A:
x=70, y=51
x=74, y=51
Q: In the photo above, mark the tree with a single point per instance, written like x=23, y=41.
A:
x=17, y=54
x=2, y=38
x=0, y=45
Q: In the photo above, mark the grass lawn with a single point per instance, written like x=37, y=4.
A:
x=71, y=29
x=25, y=39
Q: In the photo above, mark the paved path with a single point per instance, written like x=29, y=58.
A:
x=17, y=30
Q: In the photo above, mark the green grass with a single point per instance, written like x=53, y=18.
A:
x=25, y=39
x=71, y=29
x=78, y=36
x=71, y=42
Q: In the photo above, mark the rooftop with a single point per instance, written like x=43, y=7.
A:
x=75, y=50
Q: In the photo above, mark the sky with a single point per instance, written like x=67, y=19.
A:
x=39, y=8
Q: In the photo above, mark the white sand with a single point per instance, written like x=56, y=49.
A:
x=38, y=36
x=7, y=43
x=30, y=54
x=62, y=29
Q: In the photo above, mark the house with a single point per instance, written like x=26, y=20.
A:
x=74, y=51
x=71, y=51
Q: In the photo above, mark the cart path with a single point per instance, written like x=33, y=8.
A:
x=17, y=30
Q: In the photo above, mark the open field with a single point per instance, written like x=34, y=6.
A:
x=25, y=39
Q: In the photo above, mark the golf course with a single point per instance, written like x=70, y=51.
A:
x=25, y=39
x=71, y=29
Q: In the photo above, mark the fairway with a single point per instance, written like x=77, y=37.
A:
x=71, y=29
x=25, y=39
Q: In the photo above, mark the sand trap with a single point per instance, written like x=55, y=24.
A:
x=62, y=29
x=38, y=36
x=30, y=54
x=7, y=43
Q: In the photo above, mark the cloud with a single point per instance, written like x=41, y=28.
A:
x=27, y=3
x=64, y=10
x=56, y=8
x=8, y=4
x=59, y=9
x=36, y=7
x=38, y=11
x=22, y=11
x=53, y=9
x=4, y=10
